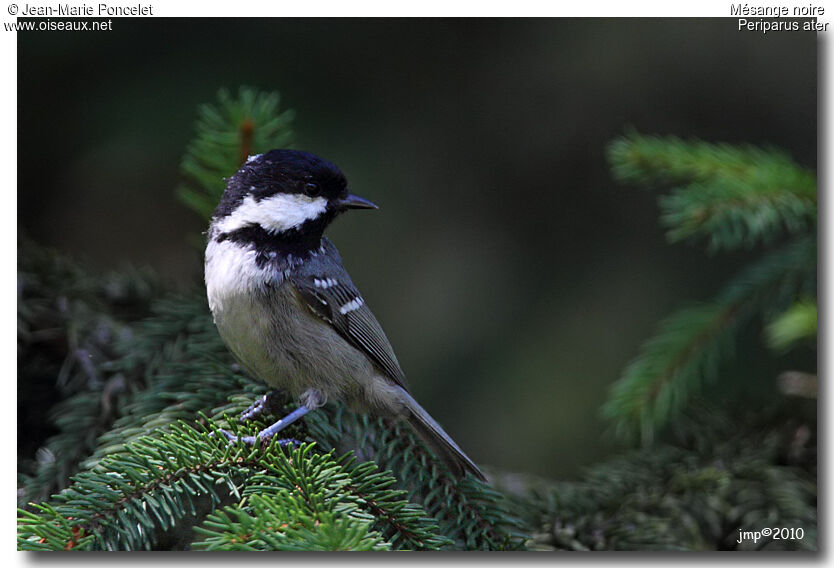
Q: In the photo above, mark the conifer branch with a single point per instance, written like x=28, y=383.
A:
x=687, y=351
x=226, y=134
x=70, y=323
x=796, y=323
x=718, y=476
x=638, y=158
x=732, y=195
x=156, y=481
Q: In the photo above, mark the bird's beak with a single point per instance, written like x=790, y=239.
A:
x=355, y=202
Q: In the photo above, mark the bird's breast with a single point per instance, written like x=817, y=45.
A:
x=274, y=335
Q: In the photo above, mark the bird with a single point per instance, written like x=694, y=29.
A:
x=287, y=309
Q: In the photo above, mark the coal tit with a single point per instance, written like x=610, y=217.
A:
x=287, y=308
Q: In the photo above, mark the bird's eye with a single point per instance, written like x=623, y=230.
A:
x=311, y=189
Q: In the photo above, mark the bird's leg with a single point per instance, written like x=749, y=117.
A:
x=269, y=403
x=270, y=431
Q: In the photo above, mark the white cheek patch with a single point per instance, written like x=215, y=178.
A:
x=275, y=214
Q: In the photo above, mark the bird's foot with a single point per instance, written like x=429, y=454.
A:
x=269, y=432
x=269, y=403
x=252, y=440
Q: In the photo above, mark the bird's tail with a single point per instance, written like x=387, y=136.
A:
x=439, y=441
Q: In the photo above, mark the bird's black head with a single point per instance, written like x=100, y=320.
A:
x=283, y=199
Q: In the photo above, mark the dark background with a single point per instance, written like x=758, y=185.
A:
x=514, y=277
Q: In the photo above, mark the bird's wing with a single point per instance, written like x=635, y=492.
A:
x=330, y=294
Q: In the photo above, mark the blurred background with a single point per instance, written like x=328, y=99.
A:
x=513, y=276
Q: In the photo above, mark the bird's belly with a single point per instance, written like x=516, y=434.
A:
x=248, y=330
x=281, y=342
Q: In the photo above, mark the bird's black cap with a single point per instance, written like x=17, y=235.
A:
x=282, y=171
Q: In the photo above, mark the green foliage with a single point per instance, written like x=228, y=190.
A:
x=798, y=322
x=732, y=196
x=308, y=500
x=227, y=133
x=272, y=525
x=69, y=324
x=469, y=512
x=318, y=503
x=690, y=345
x=719, y=477
x=657, y=384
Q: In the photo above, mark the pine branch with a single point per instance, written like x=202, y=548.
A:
x=690, y=345
x=796, y=323
x=186, y=367
x=70, y=323
x=155, y=482
x=672, y=365
x=226, y=134
x=731, y=214
x=639, y=158
x=733, y=195
x=718, y=478
x=403, y=523
x=469, y=511
x=279, y=523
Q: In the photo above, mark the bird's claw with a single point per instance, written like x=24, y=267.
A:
x=248, y=440
x=252, y=440
x=268, y=403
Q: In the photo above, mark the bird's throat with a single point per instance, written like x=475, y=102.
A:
x=280, y=249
